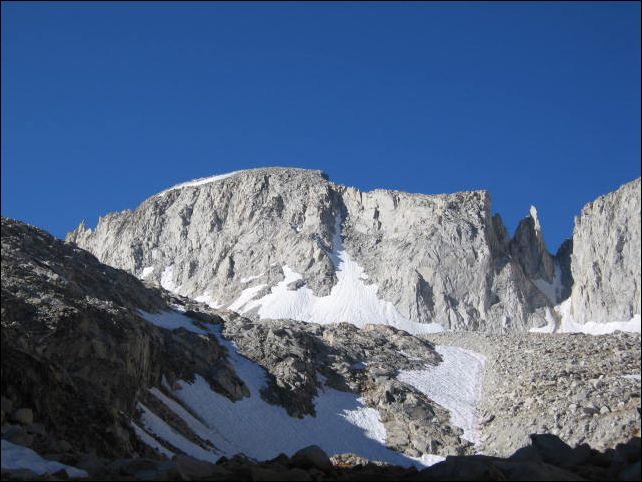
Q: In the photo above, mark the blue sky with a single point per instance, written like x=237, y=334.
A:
x=104, y=104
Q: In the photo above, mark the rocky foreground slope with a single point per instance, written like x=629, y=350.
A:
x=77, y=353
x=545, y=458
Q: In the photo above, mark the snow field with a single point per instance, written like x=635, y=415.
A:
x=172, y=320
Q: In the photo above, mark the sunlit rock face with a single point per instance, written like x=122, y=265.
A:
x=418, y=262
x=606, y=257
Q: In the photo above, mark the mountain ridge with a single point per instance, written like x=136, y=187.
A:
x=405, y=243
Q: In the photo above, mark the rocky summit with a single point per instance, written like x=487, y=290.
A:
x=270, y=324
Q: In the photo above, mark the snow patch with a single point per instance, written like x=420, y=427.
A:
x=246, y=295
x=427, y=460
x=172, y=320
x=167, y=279
x=178, y=307
x=567, y=323
x=198, y=182
x=151, y=441
x=16, y=457
x=146, y=272
x=156, y=425
x=250, y=278
x=208, y=300
x=455, y=384
x=594, y=328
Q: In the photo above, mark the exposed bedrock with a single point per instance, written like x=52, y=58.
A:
x=605, y=261
x=437, y=258
x=76, y=351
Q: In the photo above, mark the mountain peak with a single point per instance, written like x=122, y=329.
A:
x=250, y=172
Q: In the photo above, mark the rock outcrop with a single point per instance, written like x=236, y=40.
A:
x=205, y=240
x=76, y=351
x=436, y=258
x=605, y=262
x=529, y=248
x=441, y=258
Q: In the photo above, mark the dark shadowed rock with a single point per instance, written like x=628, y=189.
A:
x=76, y=353
x=632, y=472
x=190, y=468
x=23, y=416
x=312, y=457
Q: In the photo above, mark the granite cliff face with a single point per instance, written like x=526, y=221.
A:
x=208, y=240
x=235, y=241
x=441, y=258
x=605, y=260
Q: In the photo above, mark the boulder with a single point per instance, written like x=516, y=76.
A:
x=551, y=449
x=23, y=416
x=36, y=429
x=535, y=471
x=276, y=474
x=312, y=457
x=190, y=468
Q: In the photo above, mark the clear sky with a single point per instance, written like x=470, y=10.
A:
x=104, y=104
